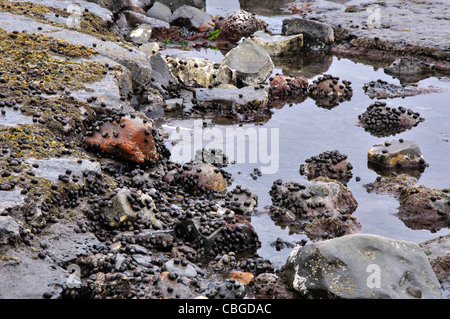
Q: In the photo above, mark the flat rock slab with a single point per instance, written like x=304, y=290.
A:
x=232, y=99
x=277, y=45
x=397, y=153
x=362, y=266
x=383, y=90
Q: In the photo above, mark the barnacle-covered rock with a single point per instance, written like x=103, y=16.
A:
x=241, y=24
x=328, y=90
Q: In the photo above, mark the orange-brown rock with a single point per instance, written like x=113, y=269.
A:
x=130, y=139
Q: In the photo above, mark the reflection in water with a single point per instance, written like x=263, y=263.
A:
x=303, y=65
x=266, y=7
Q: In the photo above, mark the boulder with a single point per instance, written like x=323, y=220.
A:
x=361, y=266
x=189, y=17
x=161, y=72
x=317, y=35
x=160, y=11
x=251, y=62
x=279, y=45
x=241, y=24
x=129, y=139
x=197, y=72
x=397, y=153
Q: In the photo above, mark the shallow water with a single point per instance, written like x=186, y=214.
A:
x=306, y=129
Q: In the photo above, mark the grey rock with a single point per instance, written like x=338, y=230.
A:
x=181, y=268
x=136, y=18
x=121, y=210
x=409, y=66
x=9, y=230
x=161, y=72
x=189, y=17
x=251, y=62
x=317, y=35
x=264, y=283
x=362, y=266
x=160, y=11
x=277, y=45
x=30, y=278
x=175, y=4
x=171, y=105
x=150, y=49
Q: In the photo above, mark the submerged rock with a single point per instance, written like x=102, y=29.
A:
x=425, y=208
x=251, y=62
x=382, y=90
x=361, y=266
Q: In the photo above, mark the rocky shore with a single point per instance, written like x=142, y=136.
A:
x=93, y=206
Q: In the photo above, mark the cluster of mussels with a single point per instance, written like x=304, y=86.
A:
x=382, y=120
x=329, y=91
x=330, y=164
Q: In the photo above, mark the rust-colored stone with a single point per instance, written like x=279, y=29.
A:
x=243, y=277
x=130, y=139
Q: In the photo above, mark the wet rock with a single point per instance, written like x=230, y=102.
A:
x=189, y=17
x=328, y=91
x=381, y=120
x=331, y=164
x=140, y=34
x=196, y=72
x=314, y=197
x=160, y=11
x=332, y=224
x=172, y=105
x=397, y=153
x=391, y=184
x=251, y=62
x=136, y=18
x=382, y=90
x=437, y=250
x=126, y=205
x=424, y=208
x=406, y=66
x=129, y=139
x=213, y=234
x=264, y=283
x=279, y=45
x=332, y=269
x=181, y=268
x=30, y=278
x=241, y=24
x=282, y=87
x=241, y=201
x=9, y=230
x=198, y=177
x=229, y=289
x=161, y=73
x=317, y=35
x=229, y=101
